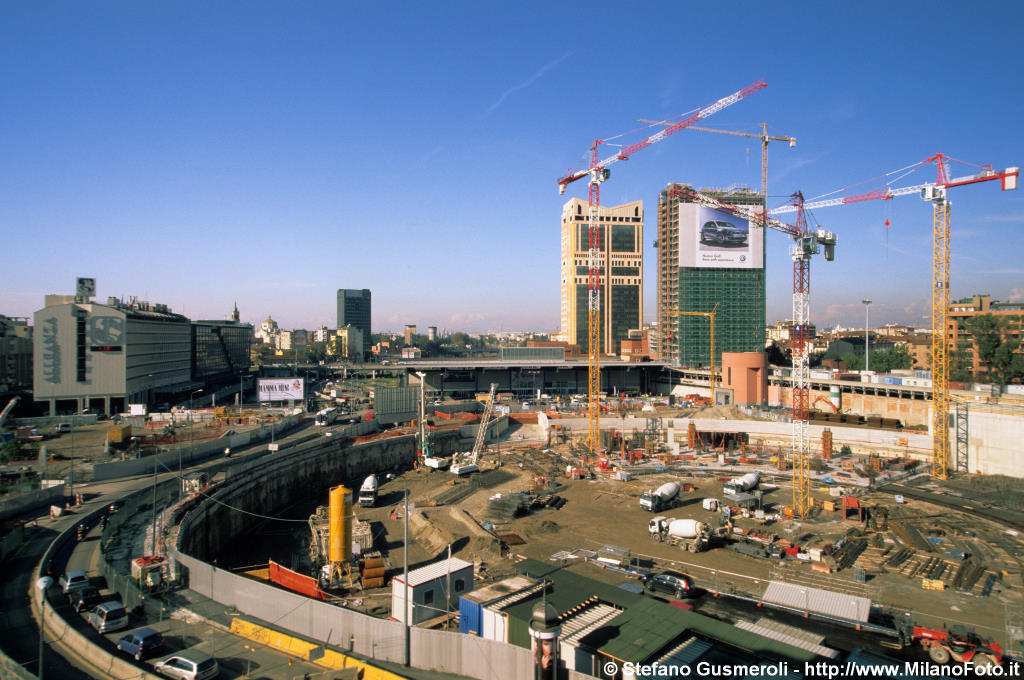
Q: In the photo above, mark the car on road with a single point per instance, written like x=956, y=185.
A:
x=141, y=643
x=84, y=599
x=108, y=617
x=71, y=581
x=190, y=664
x=721, y=232
x=671, y=582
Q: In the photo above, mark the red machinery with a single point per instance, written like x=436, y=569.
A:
x=959, y=643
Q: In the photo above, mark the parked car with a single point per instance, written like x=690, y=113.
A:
x=63, y=427
x=671, y=582
x=723, y=233
x=73, y=580
x=108, y=617
x=84, y=599
x=141, y=643
x=190, y=664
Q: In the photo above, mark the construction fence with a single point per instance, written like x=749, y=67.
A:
x=352, y=631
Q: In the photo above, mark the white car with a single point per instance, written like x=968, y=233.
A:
x=190, y=664
x=73, y=580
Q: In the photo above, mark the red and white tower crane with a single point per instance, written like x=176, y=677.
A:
x=598, y=172
x=806, y=242
x=936, y=193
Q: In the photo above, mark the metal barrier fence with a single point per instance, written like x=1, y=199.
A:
x=367, y=636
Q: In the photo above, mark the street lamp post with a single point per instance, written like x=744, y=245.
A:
x=191, y=442
x=155, y=457
x=42, y=584
x=867, y=339
x=422, y=377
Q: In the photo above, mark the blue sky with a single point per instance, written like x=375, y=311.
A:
x=199, y=153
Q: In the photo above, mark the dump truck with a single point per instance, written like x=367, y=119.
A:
x=689, y=534
x=742, y=484
x=665, y=497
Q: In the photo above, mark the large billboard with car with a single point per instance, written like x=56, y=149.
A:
x=712, y=238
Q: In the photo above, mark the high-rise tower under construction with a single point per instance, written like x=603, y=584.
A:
x=706, y=257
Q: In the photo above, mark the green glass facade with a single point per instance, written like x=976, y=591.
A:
x=738, y=292
x=739, y=321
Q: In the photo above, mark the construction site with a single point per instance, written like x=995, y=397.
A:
x=886, y=545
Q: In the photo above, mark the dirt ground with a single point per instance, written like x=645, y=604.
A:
x=86, y=445
x=605, y=511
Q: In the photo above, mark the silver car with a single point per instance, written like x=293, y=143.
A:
x=723, y=233
x=190, y=664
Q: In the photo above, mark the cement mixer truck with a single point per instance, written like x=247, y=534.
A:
x=742, y=484
x=667, y=496
x=689, y=534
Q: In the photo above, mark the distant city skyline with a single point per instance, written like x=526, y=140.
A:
x=195, y=154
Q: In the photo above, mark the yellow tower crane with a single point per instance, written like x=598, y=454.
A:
x=935, y=193
x=711, y=317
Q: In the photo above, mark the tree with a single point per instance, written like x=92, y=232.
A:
x=459, y=339
x=886, y=361
x=994, y=344
x=316, y=351
x=855, y=362
x=777, y=357
x=961, y=362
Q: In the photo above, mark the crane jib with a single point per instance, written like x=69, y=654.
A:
x=662, y=134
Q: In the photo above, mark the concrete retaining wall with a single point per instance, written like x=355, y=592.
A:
x=279, y=482
x=16, y=505
x=58, y=629
x=994, y=446
x=861, y=440
x=12, y=670
x=190, y=453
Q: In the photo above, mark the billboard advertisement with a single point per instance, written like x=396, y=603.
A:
x=715, y=239
x=281, y=389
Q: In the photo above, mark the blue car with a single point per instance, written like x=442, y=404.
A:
x=141, y=643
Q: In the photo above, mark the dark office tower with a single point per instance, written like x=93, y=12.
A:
x=354, y=309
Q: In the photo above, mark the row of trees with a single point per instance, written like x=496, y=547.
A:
x=997, y=340
x=883, y=361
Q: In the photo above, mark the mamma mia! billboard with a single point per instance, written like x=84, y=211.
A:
x=281, y=389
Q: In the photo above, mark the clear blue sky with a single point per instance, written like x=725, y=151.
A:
x=199, y=153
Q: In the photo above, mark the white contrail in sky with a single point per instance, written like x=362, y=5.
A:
x=529, y=81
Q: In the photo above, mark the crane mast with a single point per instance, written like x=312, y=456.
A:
x=935, y=192
x=805, y=244
x=598, y=172
x=465, y=463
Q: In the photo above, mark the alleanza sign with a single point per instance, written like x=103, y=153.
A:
x=281, y=389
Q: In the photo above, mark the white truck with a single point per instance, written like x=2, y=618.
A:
x=368, y=492
x=689, y=534
x=665, y=497
x=742, y=484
